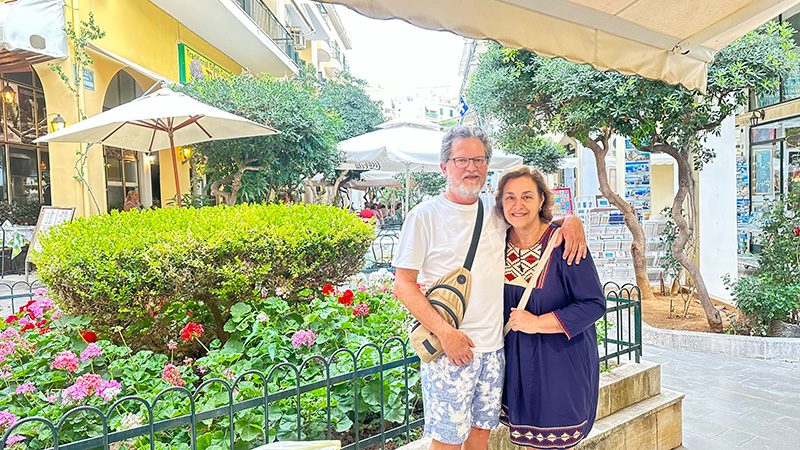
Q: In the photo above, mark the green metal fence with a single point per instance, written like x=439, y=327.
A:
x=16, y=293
x=622, y=319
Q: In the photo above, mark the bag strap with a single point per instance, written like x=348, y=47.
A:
x=476, y=235
x=523, y=302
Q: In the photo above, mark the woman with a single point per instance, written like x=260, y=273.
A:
x=132, y=201
x=552, y=364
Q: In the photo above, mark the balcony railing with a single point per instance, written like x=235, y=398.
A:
x=336, y=53
x=266, y=20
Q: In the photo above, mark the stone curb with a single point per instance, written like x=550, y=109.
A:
x=779, y=349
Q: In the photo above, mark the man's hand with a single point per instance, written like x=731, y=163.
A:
x=523, y=321
x=574, y=237
x=457, y=346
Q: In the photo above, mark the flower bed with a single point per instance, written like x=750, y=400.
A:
x=52, y=363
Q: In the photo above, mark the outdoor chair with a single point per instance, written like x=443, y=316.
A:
x=383, y=251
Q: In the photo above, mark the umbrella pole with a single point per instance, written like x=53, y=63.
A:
x=408, y=188
x=175, y=169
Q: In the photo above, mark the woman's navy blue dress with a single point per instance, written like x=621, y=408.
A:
x=551, y=386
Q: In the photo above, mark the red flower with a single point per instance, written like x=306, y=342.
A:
x=346, y=298
x=189, y=313
x=41, y=322
x=11, y=319
x=797, y=231
x=89, y=336
x=27, y=326
x=191, y=331
x=327, y=290
x=44, y=330
x=24, y=308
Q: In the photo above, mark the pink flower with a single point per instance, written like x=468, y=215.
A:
x=303, y=337
x=25, y=388
x=172, y=375
x=261, y=317
x=6, y=348
x=228, y=373
x=361, y=310
x=7, y=420
x=41, y=305
x=10, y=333
x=172, y=345
x=75, y=393
x=362, y=288
x=90, y=380
x=92, y=351
x=51, y=398
x=65, y=360
x=187, y=361
x=107, y=390
x=15, y=439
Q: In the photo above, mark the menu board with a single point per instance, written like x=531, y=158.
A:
x=49, y=216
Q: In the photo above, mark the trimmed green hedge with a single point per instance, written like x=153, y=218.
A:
x=146, y=271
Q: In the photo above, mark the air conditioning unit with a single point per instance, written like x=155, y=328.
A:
x=298, y=39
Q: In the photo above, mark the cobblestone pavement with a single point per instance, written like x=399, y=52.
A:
x=733, y=403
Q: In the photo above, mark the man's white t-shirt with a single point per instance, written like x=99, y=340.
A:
x=435, y=239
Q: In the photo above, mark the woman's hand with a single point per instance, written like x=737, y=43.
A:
x=523, y=321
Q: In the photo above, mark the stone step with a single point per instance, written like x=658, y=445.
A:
x=653, y=423
x=626, y=385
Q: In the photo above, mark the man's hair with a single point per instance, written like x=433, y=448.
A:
x=463, y=132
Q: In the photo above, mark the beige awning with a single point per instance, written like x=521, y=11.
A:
x=659, y=39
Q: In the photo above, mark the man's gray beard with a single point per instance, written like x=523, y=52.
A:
x=457, y=187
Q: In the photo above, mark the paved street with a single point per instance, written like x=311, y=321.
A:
x=733, y=402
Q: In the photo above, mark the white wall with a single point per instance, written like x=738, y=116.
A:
x=717, y=199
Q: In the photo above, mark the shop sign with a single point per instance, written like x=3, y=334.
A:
x=87, y=77
x=194, y=66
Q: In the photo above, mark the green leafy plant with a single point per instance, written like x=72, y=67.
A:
x=147, y=272
x=773, y=292
x=51, y=363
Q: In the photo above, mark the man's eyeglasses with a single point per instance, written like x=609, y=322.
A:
x=461, y=163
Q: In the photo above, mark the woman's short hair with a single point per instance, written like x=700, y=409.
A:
x=546, y=213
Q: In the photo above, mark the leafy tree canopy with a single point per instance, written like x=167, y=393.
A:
x=267, y=165
x=530, y=94
x=346, y=97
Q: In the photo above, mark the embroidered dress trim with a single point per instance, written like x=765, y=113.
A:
x=541, y=437
x=521, y=262
x=561, y=324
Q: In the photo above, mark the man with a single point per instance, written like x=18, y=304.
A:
x=462, y=389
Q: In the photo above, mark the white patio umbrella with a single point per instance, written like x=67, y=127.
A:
x=667, y=40
x=404, y=146
x=162, y=119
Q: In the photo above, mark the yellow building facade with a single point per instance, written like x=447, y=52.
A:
x=145, y=42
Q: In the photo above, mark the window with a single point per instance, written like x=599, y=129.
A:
x=122, y=175
x=21, y=122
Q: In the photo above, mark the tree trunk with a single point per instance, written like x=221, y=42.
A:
x=685, y=186
x=336, y=184
x=638, y=247
x=236, y=182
